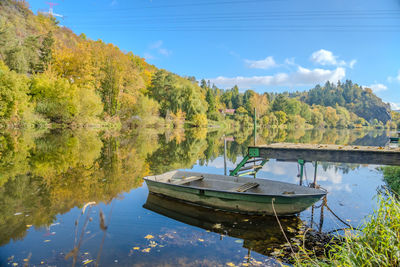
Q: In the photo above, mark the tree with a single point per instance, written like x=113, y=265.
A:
x=55, y=98
x=13, y=94
x=110, y=87
x=45, y=52
x=281, y=117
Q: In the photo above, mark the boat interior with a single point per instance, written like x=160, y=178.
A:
x=233, y=184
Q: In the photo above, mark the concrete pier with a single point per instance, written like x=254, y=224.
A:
x=328, y=153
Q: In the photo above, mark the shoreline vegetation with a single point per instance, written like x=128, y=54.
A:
x=51, y=77
x=375, y=243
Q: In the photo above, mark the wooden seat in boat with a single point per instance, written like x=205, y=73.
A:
x=245, y=187
x=185, y=180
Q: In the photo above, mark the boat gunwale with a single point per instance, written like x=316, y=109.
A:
x=241, y=193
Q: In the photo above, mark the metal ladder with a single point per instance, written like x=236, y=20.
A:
x=253, y=156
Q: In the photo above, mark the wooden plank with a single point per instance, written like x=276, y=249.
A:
x=187, y=180
x=245, y=187
x=331, y=153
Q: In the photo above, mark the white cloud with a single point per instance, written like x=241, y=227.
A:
x=377, y=87
x=327, y=58
x=114, y=3
x=301, y=77
x=397, y=78
x=290, y=61
x=148, y=56
x=395, y=106
x=158, y=46
x=264, y=64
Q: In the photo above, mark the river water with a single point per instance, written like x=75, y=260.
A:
x=78, y=197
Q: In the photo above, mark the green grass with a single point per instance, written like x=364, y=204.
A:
x=378, y=244
x=391, y=176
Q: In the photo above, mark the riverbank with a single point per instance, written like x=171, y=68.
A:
x=376, y=244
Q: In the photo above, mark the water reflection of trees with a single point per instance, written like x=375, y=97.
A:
x=43, y=174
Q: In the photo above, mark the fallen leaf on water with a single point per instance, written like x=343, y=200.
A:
x=245, y=264
x=246, y=220
x=217, y=226
x=25, y=259
x=230, y=264
x=239, y=241
x=86, y=253
x=15, y=264
x=86, y=262
x=47, y=240
x=42, y=262
x=29, y=225
x=153, y=244
x=201, y=240
x=146, y=250
x=291, y=230
x=149, y=237
x=136, y=248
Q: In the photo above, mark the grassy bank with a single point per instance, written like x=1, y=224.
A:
x=377, y=244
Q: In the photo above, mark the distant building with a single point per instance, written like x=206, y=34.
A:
x=230, y=111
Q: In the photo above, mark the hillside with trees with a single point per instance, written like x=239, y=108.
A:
x=51, y=76
x=362, y=102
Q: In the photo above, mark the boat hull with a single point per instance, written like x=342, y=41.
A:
x=233, y=201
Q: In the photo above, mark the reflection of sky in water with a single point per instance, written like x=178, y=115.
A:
x=351, y=192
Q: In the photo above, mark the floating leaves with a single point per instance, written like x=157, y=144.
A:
x=200, y=240
x=230, y=264
x=146, y=250
x=148, y=237
x=47, y=240
x=153, y=244
x=87, y=261
x=217, y=226
x=136, y=248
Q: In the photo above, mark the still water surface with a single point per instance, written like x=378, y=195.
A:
x=47, y=178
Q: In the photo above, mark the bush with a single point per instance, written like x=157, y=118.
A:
x=199, y=120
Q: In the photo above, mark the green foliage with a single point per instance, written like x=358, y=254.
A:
x=13, y=95
x=351, y=96
x=55, y=98
x=45, y=52
x=378, y=244
x=174, y=93
x=199, y=120
x=281, y=117
x=391, y=176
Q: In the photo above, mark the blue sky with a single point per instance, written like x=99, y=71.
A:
x=265, y=45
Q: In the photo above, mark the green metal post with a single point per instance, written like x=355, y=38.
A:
x=301, y=162
x=240, y=165
x=255, y=126
x=315, y=173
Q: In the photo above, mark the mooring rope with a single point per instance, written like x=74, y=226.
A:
x=280, y=226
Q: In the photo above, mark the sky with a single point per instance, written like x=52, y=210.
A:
x=264, y=45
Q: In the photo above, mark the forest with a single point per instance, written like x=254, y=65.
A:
x=50, y=76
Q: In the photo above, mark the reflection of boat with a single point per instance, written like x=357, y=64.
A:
x=237, y=194
x=258, y=232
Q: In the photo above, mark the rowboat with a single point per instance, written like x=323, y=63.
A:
x=236, y=194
